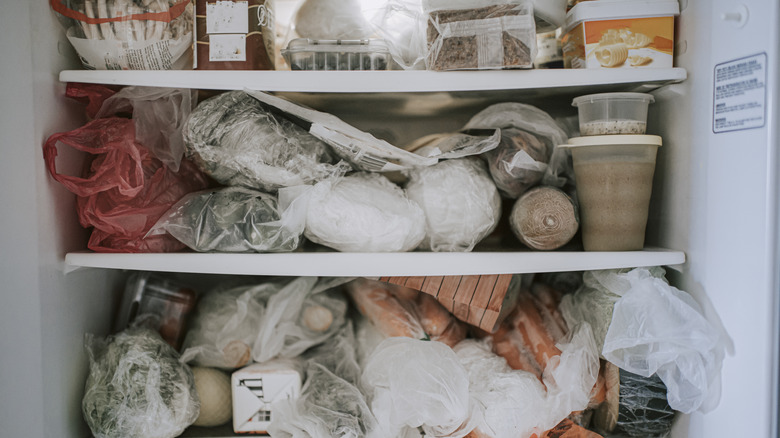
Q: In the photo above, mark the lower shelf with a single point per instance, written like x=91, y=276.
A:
x=338, y=264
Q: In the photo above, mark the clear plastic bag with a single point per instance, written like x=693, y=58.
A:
x=413, y=383
x=659, y=329
x=480, y=34
x=235, y=139
x=461, y=203
x=137, y=388
x=332, y=20
x=519, y=162
x=363, y=212
x=237, y=219
x=401, y=23
x=534, y=121
x=129, y=35
x=331, y=403
x=159, y=115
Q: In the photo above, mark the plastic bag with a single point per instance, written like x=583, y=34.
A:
x=332, y=20
x=280, y=318
x=519, y=162
x=461, y=203
x=331, y=403
x=530, y=119
x=137, y=388
x=124, y=189
x=159, y=115
x=413, y=383
x=659, y=329
x=401, y=23
x=363, y=212
x=238, y=142
x=593, y=303
x=480, y=34
x=129, y=35
x=237, y=219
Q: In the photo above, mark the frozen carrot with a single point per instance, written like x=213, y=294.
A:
x=377, y=303
x=507, y=344
x=528, y=322
x=550, y=299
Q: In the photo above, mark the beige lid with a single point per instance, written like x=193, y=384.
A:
x=606, y=140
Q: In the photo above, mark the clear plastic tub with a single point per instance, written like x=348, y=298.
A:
x=614, y=176
x=613, y=113
x=318, y=55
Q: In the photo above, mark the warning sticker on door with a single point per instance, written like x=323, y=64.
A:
x=740, y=94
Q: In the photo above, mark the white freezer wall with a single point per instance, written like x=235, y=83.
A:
x=43, y=313
x=717, y=200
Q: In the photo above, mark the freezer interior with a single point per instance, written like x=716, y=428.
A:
x=715, y=197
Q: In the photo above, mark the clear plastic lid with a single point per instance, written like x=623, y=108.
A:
x=591, y=98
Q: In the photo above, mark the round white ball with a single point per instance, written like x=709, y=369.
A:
x=216, y=400
x=460, y=201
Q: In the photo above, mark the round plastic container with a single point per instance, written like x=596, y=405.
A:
x=613, y=113
x=614, y=176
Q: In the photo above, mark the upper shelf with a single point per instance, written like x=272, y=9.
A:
x=383, y=81
x=336, y=264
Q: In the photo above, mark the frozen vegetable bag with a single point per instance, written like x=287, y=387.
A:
x=480, y=34
x=129, y=34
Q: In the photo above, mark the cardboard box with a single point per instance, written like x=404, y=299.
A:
x=256, y=387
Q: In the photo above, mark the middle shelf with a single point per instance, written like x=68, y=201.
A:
x=337, y=264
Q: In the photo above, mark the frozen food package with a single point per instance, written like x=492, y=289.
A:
x=544, y=218
x=331, y=403
x=518, y=163
x=123, y=189
x=481, y=34
x=413, y=383
x=238, y=141
x=592, y=303
x=137, y=387
x=159, y=114
x=460, y=201
x=363, y=212
x=237, y=219
x=456, y=144
x=129, y=35
x=332, y=20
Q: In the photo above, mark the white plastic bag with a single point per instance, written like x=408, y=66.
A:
x=461, y=203
x=363, y=212
x=413, y=383
x=332, y=20
x=237, y=219
x=401, y=23
x=659, y=329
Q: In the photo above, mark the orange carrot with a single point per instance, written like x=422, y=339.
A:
x=528, y=322
x=375, y=301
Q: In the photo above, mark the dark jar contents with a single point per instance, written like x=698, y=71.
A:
x=234, y=35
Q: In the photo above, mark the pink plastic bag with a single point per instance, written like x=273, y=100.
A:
x=125, y=189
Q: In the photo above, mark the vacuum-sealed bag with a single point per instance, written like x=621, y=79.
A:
x=237, y=219
x=238, y=141
x=363, y=212
x=129, y=35
x=137, y=387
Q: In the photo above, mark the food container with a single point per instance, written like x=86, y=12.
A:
x=480, y=34
x=549, y=53
x=620, y=34
x=157, y=303
x=234, y=35
x=613, y=113
x=257, y=387
x=313, y=54
x=614, y=177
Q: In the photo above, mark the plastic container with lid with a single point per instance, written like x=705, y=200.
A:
x=613, y=113
x=620, y=34
x=614, y=177
x=316, y=55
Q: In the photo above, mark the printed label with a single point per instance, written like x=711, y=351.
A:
x=227, y=17
x=227, y=47
x=740, y=94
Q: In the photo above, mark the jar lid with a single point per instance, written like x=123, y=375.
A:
x=591, y=98
x=619, y=9
x=608, y=140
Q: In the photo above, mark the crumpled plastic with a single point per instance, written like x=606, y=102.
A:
x=402, y=24
x=331, y=403
x=460, y=201
x=237, y=219
x=277, y=318
x=363, y=212
x=656, y=328
x=507, y=115
x=125, y=189
x=332, y=20
x=236, y=140
x=413, y=383
x=137, y=388
x=519, y=162
x=159, y=115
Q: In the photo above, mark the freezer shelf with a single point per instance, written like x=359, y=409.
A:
x=337, y=264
